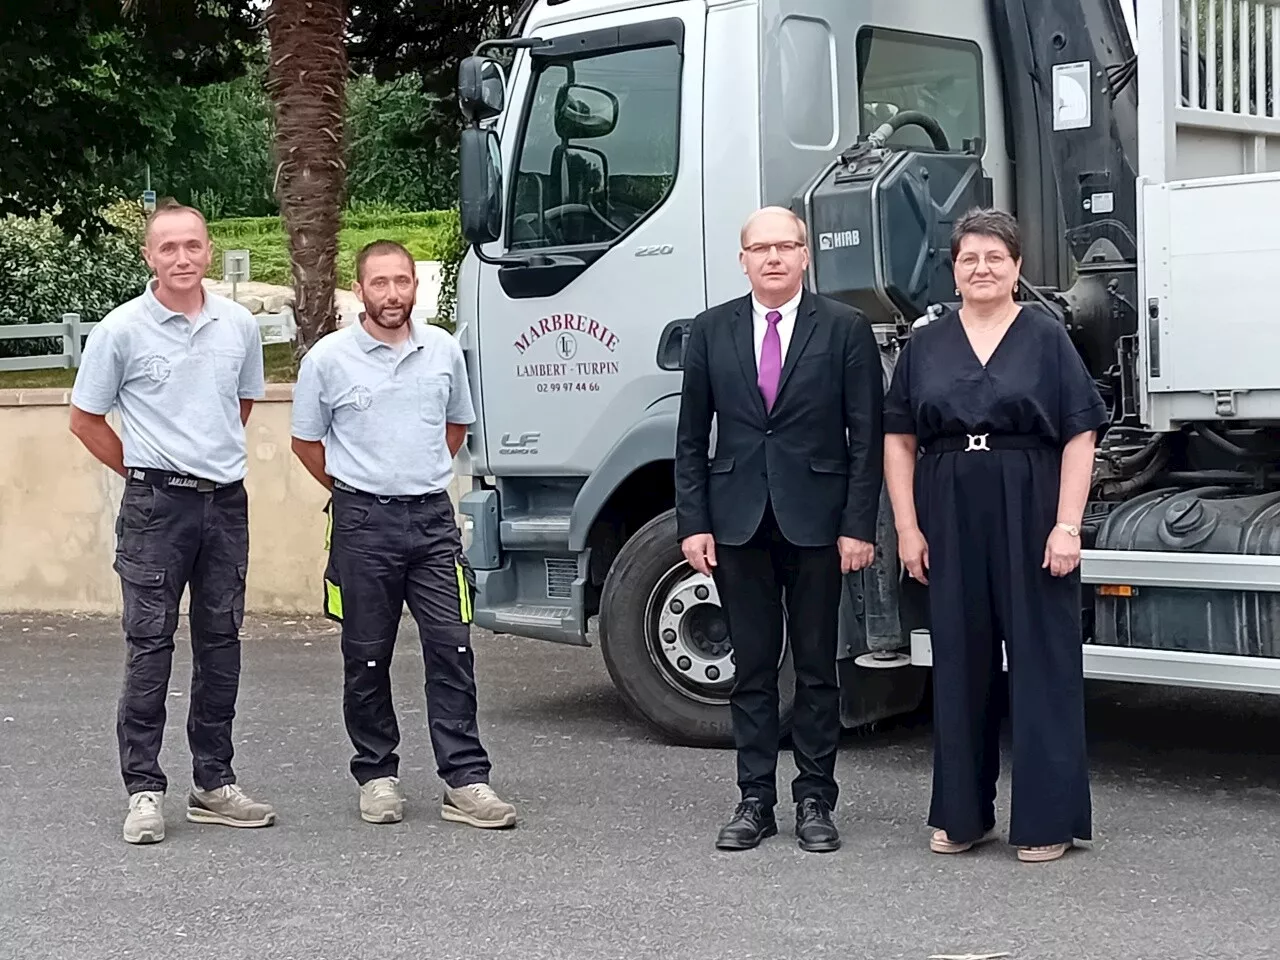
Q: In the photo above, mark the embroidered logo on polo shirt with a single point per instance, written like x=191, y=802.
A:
x=156, y=368
x=361, y=397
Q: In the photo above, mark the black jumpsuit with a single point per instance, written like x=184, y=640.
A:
x=986, y=516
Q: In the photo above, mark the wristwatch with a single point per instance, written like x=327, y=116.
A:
x=1070, y=528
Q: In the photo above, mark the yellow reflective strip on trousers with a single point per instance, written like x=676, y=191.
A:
x=332, y=599
x=464, y=595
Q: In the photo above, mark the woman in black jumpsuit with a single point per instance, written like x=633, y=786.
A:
x=1005, y=414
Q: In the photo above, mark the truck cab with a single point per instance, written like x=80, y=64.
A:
x=615, y=148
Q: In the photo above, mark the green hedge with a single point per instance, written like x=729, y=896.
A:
x=44, y=273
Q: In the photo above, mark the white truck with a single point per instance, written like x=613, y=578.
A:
x=615, y=148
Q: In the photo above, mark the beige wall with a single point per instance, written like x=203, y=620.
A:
x=58, y=507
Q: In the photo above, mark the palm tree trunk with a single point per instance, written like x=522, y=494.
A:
x=306, y=80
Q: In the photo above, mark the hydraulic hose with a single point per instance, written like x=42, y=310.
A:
x=915, y=117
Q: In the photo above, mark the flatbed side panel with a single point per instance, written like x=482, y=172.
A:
x=1210, y=299
x=1209, y=156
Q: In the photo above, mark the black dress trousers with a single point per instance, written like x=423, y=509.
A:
x=763, y=585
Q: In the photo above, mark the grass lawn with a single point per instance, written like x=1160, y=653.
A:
x=428, y=236
x=276, y=357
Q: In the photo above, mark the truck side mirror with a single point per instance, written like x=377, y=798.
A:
x=585, y=113
x=481, y=89
x=480, y=185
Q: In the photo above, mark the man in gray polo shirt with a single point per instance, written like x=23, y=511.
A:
x=379, y=412
x=183, y=368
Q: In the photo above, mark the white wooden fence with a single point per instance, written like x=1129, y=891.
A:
x=274, y=327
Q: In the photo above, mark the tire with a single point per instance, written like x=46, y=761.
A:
x=683, y=706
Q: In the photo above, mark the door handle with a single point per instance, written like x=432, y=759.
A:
x=672, y=344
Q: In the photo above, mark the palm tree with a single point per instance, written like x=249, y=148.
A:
x=306, y=80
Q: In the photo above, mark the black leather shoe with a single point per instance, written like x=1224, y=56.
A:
x=751, y=823
x=814, y=830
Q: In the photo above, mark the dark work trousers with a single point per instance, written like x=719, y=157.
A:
x=382, y=556
x=986, y=518
x=755, y=581
x=169, y=538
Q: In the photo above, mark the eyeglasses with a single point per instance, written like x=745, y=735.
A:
x=993, y=259
x=785, y=247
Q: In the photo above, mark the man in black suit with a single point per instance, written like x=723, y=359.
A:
x=787, y=505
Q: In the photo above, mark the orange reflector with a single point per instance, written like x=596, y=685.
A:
x=1115, y=590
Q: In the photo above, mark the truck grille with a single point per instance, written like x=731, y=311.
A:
x=560, y=576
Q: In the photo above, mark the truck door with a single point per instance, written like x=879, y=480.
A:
x=604, y=200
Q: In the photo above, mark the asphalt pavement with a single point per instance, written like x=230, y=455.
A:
x=613, y=856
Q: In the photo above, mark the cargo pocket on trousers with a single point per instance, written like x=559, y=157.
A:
x=331, y=601
x=143, y=593
x=466, y=580
x=237, y=606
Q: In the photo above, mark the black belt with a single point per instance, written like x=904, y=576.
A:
x=387, y=498
x=986, y=442
x=178, y=481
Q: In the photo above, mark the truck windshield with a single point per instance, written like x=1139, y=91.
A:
x=599, y=146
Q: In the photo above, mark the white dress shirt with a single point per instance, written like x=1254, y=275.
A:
x=759, y=324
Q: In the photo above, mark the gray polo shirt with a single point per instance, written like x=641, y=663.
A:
x=381, y=410
x=177, y=383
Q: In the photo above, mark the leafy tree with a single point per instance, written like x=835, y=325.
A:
x=399, y=152
x=90, y=92
x=84, y=87
x=218, y=157
x=389, y=38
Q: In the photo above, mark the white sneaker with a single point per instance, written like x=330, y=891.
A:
x=381, y=801
x=229, y=806
x=145, y=821
x=476, y=804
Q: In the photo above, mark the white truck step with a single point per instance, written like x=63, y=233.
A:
x=554, y=623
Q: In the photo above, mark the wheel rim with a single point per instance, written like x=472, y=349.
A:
x=688, y=635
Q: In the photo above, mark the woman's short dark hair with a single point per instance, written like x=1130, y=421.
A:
x=995, y=224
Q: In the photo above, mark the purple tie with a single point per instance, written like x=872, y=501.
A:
x=770, y=360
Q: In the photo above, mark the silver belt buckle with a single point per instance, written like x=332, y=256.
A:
x=977, y=441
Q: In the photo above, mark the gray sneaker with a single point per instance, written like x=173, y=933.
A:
x=229, y=806
x=381, y=801
x=476, y=804
x=145, y=821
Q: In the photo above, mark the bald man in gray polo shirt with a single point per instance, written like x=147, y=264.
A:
x=183, y=368
x=379, y=412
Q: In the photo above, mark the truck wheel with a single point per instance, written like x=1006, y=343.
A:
x=666, y=641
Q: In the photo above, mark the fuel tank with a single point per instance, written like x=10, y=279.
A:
x=1203, y=520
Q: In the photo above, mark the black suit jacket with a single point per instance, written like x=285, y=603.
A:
x=818, y=456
